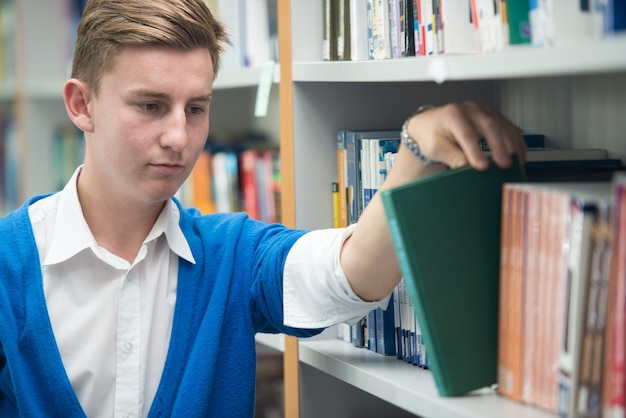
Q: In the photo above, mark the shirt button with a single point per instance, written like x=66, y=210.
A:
x=128, y=347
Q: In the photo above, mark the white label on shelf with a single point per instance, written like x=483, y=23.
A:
x=265, y=87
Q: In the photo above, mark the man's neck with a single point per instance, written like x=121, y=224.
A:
x=118, y=225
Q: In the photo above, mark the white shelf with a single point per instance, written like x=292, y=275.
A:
x=275, y=341
x=45, y=88
x=604, y=56
x=240, y=78
x=408, y=387
x=52, y=88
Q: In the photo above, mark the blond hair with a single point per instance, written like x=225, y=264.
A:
x=107, y=25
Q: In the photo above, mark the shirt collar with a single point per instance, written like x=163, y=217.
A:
x=72, y=234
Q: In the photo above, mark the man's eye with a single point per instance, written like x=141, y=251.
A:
x=149, y=106
x=195, y=110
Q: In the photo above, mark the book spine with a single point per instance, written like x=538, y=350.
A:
x=342, y=163
x=614, y=403
x=358, y=30
x=589, y=390
x=353, y=195
x=583, y=217
x=329, y=43
x=336, y=206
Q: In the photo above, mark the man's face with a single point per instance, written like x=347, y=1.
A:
x=150, y=122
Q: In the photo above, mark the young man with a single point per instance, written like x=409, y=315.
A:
x=115, y=300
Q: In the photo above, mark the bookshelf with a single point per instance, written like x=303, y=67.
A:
x=572, y=93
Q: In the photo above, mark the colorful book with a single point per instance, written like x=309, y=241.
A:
x=342, y=180
x=202, y=183
x=454, y=213
x=614, y=383
x=518, y=21
x=586, y=203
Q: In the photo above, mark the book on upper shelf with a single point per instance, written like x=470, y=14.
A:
x=566, y=154
x=252, y=29
x=571, y=165
x=329, y=40
x=566, y=164
x=532, y=141
x=446, y=232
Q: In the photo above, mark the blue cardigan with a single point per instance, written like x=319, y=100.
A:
x=232, y=292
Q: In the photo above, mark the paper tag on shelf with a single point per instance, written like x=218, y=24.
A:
x=438, y=70
x=266, y=79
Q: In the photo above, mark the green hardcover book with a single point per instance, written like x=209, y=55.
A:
x=518, y=21
x=446, y=232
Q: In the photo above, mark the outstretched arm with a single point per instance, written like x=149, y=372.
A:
x=449, y=135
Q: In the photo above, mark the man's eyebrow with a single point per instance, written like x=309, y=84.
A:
x=164, y=96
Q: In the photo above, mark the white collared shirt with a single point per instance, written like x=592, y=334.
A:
x=112, y=319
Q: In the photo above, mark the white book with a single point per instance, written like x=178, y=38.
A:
x=586, y=200
x=560, y=22
x=382, y=47
x=461, y=36
x=231, y=13
x=427, y=26
x=257, y=33
x=490, y=26
x=358, y=30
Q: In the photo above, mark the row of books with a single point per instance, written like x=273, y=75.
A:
x=383, y=29
x=393, y=331
x=576, y=231
x=235, y=180
x=363, y=159
x=252, y=28
x=544, y=320
x=70, y=12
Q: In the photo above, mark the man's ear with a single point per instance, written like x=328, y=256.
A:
x=76, y=96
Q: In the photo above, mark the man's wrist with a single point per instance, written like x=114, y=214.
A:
x=410, y=143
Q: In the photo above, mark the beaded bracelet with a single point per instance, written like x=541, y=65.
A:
x=410, y=143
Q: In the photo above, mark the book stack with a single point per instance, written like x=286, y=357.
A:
x=544, y=322
x=385, y=29
x=562, y=287
x=252, y=28
x=364, y=158
x=232, y=180
x=545, y=264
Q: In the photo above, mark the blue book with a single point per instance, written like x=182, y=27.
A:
x=371, y=330
x=386, y=330
x=361, y=138
x=354, y=186
x=531, y=140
